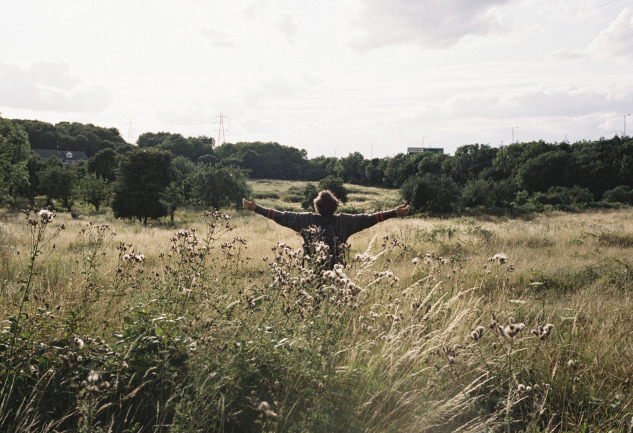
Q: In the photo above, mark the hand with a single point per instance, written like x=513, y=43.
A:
x=249, y=204
x=402, y=210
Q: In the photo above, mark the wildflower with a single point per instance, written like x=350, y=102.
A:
x=46, y=216
x=263, y=406
x=415, y=260
x=521, y=387
x=571, y=363
x=501, y=258
x=79, y=343
x=543, y=331
x=93, y=377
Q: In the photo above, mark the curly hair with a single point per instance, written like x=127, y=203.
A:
x=326, y=204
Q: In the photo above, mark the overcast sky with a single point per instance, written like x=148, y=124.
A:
x=332, y=77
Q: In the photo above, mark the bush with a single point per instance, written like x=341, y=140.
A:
x=562, y=197
x=219, y=187
x=431, y=194
x=335, y=185
x=310, y=192
x=619, y=194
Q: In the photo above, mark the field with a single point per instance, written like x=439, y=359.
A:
x=287, y=195
x=218, y=324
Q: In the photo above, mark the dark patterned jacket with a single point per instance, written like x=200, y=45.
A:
x=335, y=230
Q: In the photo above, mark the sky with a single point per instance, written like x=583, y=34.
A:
x=331, y=77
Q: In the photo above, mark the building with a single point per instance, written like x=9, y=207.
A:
x=412, y=150
x=65, y=156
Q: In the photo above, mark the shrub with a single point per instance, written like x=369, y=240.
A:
x=335, y=185
x=619, y=194
x=563, y=197
x=431, y=194
x=310, y=192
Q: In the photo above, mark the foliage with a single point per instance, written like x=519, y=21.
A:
x=87, y=138
x=619, y=194
x=173, y=198
x=195, y=336
x=310, y=192
x=58, y=181
x=264, y=160
x=486, y=178
x=14, y=154
x=219, y=187
x=104, y=164
x=93, y=189
x=335, y=185
x=430, y=194
x=563, y=197
x=143, y=177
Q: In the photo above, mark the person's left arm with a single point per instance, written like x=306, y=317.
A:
x=351, y=224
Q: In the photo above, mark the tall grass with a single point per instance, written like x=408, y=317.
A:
x=434, y=326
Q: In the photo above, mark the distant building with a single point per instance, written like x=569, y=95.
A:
x=412, y=150
x=65, y=156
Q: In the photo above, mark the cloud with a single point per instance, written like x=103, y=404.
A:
x=616, y=41
x=185, y=114
x=288, y=26
x=537, y=102
x=566, y=54
x=49, y=85
x=431, y=23
x=203, y=35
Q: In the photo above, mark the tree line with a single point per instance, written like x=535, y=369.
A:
x=164, y=171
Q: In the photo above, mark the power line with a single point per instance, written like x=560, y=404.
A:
x=221, y=131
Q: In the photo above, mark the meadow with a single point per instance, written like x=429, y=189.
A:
x=219, y=324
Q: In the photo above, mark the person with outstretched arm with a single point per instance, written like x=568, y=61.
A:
x=334, y=229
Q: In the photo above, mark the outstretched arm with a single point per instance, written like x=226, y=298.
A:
x=293, y=220
x=249, y=204
x=351, y=224
x=402, y=210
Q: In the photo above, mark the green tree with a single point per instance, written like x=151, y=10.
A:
x=31, y=187
x=93, y=189
x=173, y=198
x=335, y=185
x=351, y=168
x=14, y=154
x=428, y=193
x=472, y=161
x=104, y=164
x=152, y=139
x=218, y=187
x=619, y=194
x=57, y=182
x=310, y=192
x=375, y=171
x=142, y=179
x=544, y=171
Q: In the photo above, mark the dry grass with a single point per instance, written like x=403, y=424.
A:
x=402, y=354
